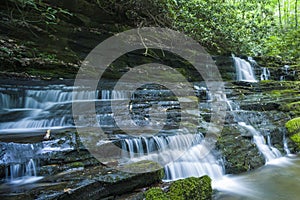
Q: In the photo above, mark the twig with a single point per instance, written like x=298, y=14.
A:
x=146, y=48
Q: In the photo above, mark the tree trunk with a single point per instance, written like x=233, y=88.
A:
x=279, y=10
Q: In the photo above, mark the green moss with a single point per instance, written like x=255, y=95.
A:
x=278, y=93
x=294, y=106
x=76, y=165
x=155, y=193
x=185, y=189
x=293, y=126
x=296, y=139
x=265, y=81
x=191, y=188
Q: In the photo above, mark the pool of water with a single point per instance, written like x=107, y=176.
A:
x=279, y=179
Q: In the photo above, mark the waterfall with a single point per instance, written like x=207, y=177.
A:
x=269, y=152
x=20, y=161
x=192, y=163
x=265, y=74
x=39, y=106
x=167, y=148
x=19, y=173
x=114, y=95
x=244, y=71
x=285, y=145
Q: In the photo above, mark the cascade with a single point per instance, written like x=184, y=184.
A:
x=194, y=160
x=18, y=173
x=244, y=71
x=183, y=155
x=269, y=152
x=114, y=95
x=21, y=167
x=222, y=98
x=285, y=145
x=265, y=74
x=38, y=107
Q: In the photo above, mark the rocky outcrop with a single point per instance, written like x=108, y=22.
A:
x=91, y=183
x=238, y=151
x=69, y=171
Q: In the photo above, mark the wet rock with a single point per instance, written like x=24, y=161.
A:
x=226, y=67
x=261, y=106
x=63, y=152
x=239, y=153
x=91, y=183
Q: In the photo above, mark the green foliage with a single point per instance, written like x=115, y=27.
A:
x=47, y=14
x=140, y=12
x=246, y=27
x=242, y=27
x=284, y=44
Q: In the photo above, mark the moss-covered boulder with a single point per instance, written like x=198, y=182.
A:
x=191, y=188
x=293, y=125
x=155, y=193
x=185, y=189
x=293, y=128
x=239, y=152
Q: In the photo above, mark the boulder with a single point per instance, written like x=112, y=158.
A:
x=184, y=189
x=239, y=153
x=293, y=129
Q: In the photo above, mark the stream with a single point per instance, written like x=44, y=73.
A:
x=28, y=109
x=277, y=180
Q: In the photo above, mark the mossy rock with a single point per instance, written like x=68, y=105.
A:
x=296, y=138
x=279, y=93
x=293, y=107
x=191, y=188
x=239, y=153
x=155, y=193
x=293, y=126
x=184, y=189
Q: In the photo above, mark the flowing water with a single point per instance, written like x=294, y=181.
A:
x=278, y=180
x=265, y=75
x=270, y=153
x=244, y=71
x=184, y=154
